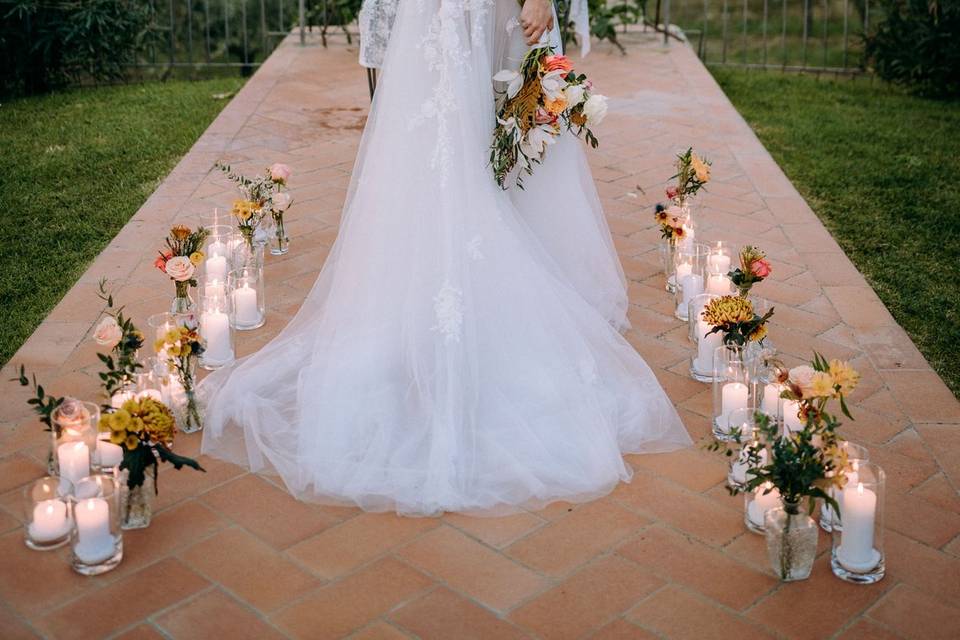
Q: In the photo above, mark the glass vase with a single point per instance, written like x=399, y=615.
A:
x=668, y=251
x=216, y=330
x=280, y=243
x=216, y=264
x=182, y=302
x=731, y=387
x=701, y=364
x=688, y=273
x=97, y=540
x=857, y=553
x=74, y=441
x=47, y=519
x=857, y=455
x=745, y=422
x=791, y=541
x=183, y=399
x=136, y=503
x=247, y=298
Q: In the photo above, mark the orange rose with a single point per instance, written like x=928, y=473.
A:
x=556, y=62
x=555, y=107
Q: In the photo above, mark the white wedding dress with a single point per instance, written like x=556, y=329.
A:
x=453, y=354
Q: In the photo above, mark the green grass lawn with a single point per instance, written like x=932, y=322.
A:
x=881, y=169
x=75, y=167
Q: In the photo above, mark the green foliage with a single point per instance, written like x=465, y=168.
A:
x=43, y=403
x=48, y=44
x=121, y=362
x=605, y=18
x=918, y=45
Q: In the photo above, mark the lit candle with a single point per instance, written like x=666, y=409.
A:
x=706, y=346
x=762, y=503
x=858, y=510
x=50, y=521
x=95, y=542
x=245, y=304
x=215, y=328
x=734, y=396
x=851, y=479
x=791, y=416
x=74, y=459
x=690, y=285
x=771, y=399
x=110, y=454
x=215, y=288
x=216, y=248
x=718, y=284
x=718, y=261
x=217, y=266
x=684, y=269
x=690, y=234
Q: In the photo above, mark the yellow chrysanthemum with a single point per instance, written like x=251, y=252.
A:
x=727, y=310
x=821, y=385
x=196, y=258
x=844, y=376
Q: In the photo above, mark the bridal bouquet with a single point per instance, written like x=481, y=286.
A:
x=541, y=99
x=754, y=267
x=263, y=195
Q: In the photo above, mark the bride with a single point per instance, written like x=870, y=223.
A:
x=459, y=350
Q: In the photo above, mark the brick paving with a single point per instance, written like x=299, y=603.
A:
x=232, y=555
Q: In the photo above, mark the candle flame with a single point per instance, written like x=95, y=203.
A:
x=860, y=488
x=856, y=465
x=49, y=509
x=91, y=505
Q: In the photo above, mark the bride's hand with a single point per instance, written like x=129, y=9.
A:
x=536, y=16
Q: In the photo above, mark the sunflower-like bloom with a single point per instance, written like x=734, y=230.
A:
x=727, y=310
x=759, y=333
x=243, y=209
x=180, y=232
x=661, y=216
x=844, y=376
x=821, y=385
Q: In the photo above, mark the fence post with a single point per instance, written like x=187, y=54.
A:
x=666, y=22
x=303, y=20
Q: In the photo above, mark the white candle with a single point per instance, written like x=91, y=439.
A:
x=118, y=398
x=734, y=396
x=718, y=262
x=150, y=393
x=110, y=454
x=718, y=284
x=95, y=542
x=215, y=328
x=50, y=521
x=217, y=266
x=706, y=346
x=245, y=304
x=858, y=510
x=691, y=285
x=771, y=399
x=215, y=288
x=216, y=248
x=74, y=459
x=689, y=235
x=791, y=416
x=174, y=395
x=684, y=269
x=762, y=503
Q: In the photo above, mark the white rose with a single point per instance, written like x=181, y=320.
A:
x=574, y=95
x=281, y=201
x=802, y=376
x=180, y=268
x=595, y=109
x=108, y=333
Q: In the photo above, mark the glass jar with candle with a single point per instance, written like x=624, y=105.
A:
x=701, y=364
x=216, y=217
x=695, y=318
x=668, y=253
x=75, y=427
x=97, y=540
x=857, y=554
x=857, y=455
x=216, y=331
x=745, y=421
x=47, y=520
x=756, y=503
x=719, y=259
x=791, y=541
x=146, y=382
x=216, y=262
x=247, y=298
x=731, y=387
x=688, y=272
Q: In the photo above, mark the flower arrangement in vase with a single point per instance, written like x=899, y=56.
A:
x=672, y=223
x=789, y=466
x=181, y=347
x=145, y=429
x=735, y=319
x=693, y=173
x=754, y=268
x=118, y=333
x=180, y=261
x=263, y=195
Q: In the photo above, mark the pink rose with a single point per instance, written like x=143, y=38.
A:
x=802, y=377
x=108, y=333
x=280, y=173
x=671, y=192
x=760, y=268
x=180, y=268
x=281, y=201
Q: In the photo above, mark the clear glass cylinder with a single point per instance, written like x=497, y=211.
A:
x=146, y=382
x=719, y=258
x=695, y=316
x=136, y=503
x=668, y=251
x=689, y=268
x=216, y=249
x=216, y=330
x=856, y=455
x=701, y=363
x=791, y=542
x=756, y=503
x=731, y=387
x=279, y=240
x=857, y=554
x=248, y=300
x=216, y=217
x=47, y=520
x=97, y=540
x=745, y=422
x=75, y=427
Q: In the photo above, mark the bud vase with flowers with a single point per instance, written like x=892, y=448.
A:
x=800, y=465
x=181, y=346
x=676, y=220
x=180, y=261
x=754, y=268
x=261, y=195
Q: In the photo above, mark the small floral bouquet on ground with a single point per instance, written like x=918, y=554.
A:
x=541, y=99
x=181, y=346
x=671, y=220
x=735, y=318
x=117, y=333
x=754, y=267
x=693, y=172
x=263, y=195
x=180, y=261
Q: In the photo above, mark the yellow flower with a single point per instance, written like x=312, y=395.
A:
x=118, y=437
x=131, y=442
x=821, y=385
x=196, y=258
x=727, y=310
x=172, y=335
x=243, y=209
x=844, y=376
x=759, y=333
x=700, y=168
x=180, y=232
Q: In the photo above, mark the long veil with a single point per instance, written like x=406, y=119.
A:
x=441, y=361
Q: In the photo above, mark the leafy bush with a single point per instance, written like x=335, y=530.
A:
x=918, y=45
x=46, y=44
x=604, y=19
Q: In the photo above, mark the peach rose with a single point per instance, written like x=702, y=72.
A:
x=180, y=268
x=557, y=63
x=280, y=173
x=802, y=377
x=108, y=333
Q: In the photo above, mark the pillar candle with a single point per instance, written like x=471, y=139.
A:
x=74, y=460
x=858, y=510
x=245, y=305
x=691, y=285
x=706, y=345
x=718, y=262
x=216, y=248
x=110, y=454
x=215, y=328
x=734, y=396
x=217, y=267
x=718, y=284
x=683, y=269
x=791, y=417
x=118, y=398
x=771, y=399
x=738, y=472
x=95, y=543
x=762, y=503
x=150, y=393
x=50, y=521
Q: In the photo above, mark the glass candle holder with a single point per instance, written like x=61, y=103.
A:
x=216, y=217
x=146, y=382
x=247, y=293
x=857, y=554
x=756, y=503
x=857, y=455
x=688, y=272
x=47, y=518
x=216, y=331
x=75, y=427
x=216, y=263
x=731, y=387
x=668, y=252
x=695, y=317
x=719, y=259
x=97, y=541
x=744, y=421
x=701, y=364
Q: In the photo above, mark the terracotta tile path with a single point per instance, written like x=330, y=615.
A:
x=231, y=555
